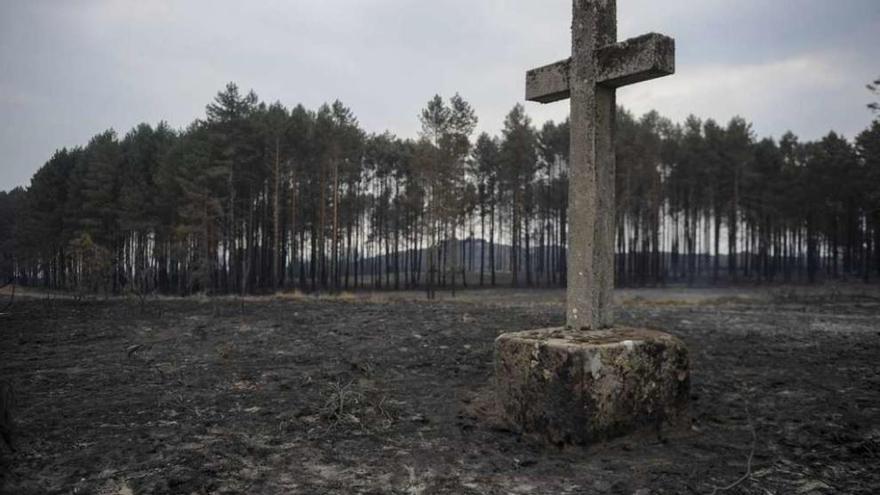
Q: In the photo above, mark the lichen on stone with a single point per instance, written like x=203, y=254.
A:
x=581, y=387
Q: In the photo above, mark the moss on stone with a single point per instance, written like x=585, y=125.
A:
x=580, y=387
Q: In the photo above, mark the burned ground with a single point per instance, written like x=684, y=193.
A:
x=366, y=394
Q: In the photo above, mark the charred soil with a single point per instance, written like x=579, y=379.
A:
x=372, y=394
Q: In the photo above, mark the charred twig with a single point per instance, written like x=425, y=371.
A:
x=335, y=405
x=11, y=297
x=7, y=404
x=342, y=399
x=383, y=411
x=134, y=348
x=751, y=457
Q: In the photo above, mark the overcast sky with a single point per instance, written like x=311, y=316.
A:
x=70, y=69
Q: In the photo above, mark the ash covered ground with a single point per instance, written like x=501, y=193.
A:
x=387, y=393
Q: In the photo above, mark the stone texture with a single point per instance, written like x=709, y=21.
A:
x=590, y=275
x=598, y=65
x=571, y=387
x=589, y=382
x=635, y=60
x=628, y=62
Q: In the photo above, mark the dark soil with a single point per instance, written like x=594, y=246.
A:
x=387, y=395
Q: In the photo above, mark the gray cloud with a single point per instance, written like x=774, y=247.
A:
x=71, y=69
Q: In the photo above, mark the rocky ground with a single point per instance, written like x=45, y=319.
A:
x=386, y=394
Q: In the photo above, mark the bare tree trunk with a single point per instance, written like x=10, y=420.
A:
x=320, y=234
x=276, y=219
x=293, y=226
x=492, y=243
x=334, y=270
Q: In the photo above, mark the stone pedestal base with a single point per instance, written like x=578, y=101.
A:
x=578, y=387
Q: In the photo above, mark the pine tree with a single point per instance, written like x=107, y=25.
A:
x=519, y=160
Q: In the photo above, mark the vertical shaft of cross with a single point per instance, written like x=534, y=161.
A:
x=597, y=66
x=591, y=170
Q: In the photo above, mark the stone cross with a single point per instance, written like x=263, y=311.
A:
x=598, y=65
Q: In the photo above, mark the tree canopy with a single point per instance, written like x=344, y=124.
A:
x=258, y=197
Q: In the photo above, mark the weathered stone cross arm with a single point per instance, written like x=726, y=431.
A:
x=628, y=62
